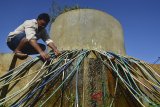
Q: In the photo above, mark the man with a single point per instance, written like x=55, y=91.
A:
x=23, y=40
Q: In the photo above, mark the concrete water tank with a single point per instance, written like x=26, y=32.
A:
x=88, y=29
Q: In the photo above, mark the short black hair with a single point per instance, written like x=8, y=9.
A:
x=44, y=16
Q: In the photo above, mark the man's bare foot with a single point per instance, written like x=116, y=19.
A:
x=20, y=55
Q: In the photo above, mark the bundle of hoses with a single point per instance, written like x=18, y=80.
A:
x=60, y=81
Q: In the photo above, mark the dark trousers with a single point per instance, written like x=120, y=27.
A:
x=28, y=49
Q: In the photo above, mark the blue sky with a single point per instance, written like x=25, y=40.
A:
x=139, y=19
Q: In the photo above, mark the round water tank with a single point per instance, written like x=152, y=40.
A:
x=87, y=29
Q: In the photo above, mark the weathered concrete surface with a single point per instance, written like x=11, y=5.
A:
x=5, y=62
x=88, y=29
x=156, y=67
x=6, y=59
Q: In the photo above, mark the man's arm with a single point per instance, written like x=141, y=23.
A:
x=45, y=37
x=34, y=43
x=54, y=48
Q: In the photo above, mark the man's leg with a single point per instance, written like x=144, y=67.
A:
x=29, y=49
x=26, y=49
x=16, y=44
x=21, y=45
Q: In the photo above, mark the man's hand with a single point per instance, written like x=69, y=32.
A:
x=54, y=48
x=57, y=52
x=44, y=55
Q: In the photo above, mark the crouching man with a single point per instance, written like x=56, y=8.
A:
x=23, y=40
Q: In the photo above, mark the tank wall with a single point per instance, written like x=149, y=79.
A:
x=88, y=29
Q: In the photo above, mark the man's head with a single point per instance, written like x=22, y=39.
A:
x=42, y=20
